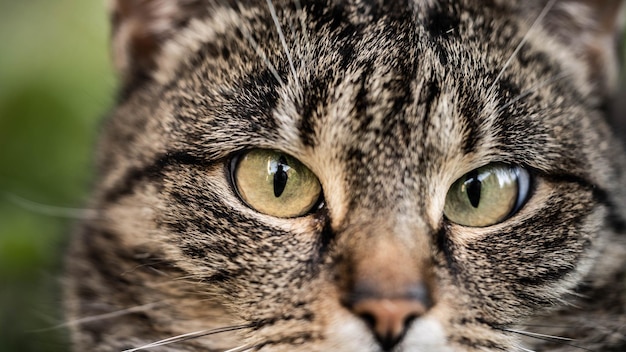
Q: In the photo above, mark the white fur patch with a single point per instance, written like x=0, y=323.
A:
x=426, y=334
x=350, y=334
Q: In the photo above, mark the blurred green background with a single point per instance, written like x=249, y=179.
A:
x=55, y=85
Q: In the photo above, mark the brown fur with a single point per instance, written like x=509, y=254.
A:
x=388, y=103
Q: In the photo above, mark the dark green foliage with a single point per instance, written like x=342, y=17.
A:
x=55, y=84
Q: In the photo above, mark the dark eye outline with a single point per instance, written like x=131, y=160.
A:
x=231, y=167
x=526, y=182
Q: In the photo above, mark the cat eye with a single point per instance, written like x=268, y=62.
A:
x=487, y=195
x=275, y=183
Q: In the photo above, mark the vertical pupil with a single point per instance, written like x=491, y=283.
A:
x=280, y=177
x=473, y=187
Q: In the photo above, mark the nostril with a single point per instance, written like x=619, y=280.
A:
x=389, y=319
x=409, y=320
x=369, y=319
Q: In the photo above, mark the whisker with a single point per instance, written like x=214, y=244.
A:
x=549, y=326
x=246, y=33
x=562, y=340
x=189, y=278
x=537, y=21
x=104, y=316
x=525, y=349
x=242, y=348
x=533, y=334
x=51, y=210
x=190, y=336
x=533, y=89
x=149, y=266
x=283, y=41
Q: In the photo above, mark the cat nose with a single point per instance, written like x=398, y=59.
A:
x=388, y=318
x=386, y=279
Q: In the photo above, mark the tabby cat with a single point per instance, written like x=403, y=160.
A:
x=357, y=175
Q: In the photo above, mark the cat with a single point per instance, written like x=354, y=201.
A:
x=351, y=175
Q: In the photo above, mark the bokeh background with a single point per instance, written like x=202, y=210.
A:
x=55, y=85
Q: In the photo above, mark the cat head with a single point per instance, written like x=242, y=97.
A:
x=361, y=176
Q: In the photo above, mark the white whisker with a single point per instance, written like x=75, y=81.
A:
x=242, y=348
x=191, y=335
x=283, y=41
x=104, y=316
x=537, y=21
x=534, y=334
x=526, y=349
x=551, y=338
x=260, y=52
x=51, y=210
x=148, y=266
x=188, y=278
x=169, y=340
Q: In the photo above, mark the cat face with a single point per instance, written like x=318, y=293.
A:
x=351, y=176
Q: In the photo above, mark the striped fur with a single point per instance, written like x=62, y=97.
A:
x=388, y=103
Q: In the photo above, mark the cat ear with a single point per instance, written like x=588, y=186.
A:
x=592, y=28
x=140, y=27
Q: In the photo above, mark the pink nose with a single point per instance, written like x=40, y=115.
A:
x=388, y=318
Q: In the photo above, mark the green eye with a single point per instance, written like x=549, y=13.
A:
x=275, y=183
x=487, y=195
